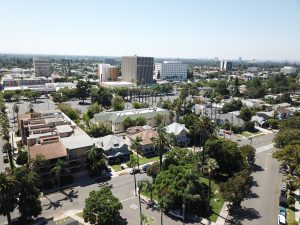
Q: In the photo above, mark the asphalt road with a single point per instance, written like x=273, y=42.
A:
x=262, y=205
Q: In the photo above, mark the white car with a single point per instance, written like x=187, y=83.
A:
x=281, y=220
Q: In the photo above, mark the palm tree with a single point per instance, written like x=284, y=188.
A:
x=162, y=143
x=147, y=220
x=141, y=187
x=136, y=145
x=210, y=168
x=16, y=110
x=59, y=170
x=8, y=195
x=133, y=163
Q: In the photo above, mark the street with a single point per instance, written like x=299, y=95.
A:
x=262, y=205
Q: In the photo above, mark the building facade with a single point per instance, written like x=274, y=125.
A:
x=138, y=70
x=106, y=72
x=173, y=71
x=225, y=65
x=41, y=67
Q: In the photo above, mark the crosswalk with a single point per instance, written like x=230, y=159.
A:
x=265, y=148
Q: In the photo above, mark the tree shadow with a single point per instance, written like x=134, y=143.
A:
x=52, y=204
x=239, y=214
x=257, y=168
x=120, y=221
x=252, y=195
x=70, y=196
x=38, y=102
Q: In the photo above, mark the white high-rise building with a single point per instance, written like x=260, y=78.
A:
x=173, y=71
x=288, y=70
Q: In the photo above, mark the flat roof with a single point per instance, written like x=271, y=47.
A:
x=77, y=141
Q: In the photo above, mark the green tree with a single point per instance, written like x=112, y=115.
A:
x=246, y=114
x=161, y=144
x=226, y=153
x=128, y=122
x=140, y=121
x=237, y=188
x=99, y=130
x=8, y=195
x=35, y=95
x=59, y=170
x=29, y=203
x=102, y=96
x=94, y=109
x=249, y=153
x=287, y=136
x=147, y=220
x=83, y=89
x=153, y=170
x=118, y=103
x=159, y=119
x=102, y=207
x=8, y=95
x=289, y=156
x=22, y=158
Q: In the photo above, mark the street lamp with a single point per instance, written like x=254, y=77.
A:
x=183, y=213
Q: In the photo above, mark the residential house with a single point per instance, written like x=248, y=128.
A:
x=180, y=132
x=114, y=148
x=146, y=143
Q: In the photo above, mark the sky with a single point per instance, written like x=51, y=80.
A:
x=228, y=29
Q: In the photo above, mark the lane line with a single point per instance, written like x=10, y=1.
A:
x=124, y=200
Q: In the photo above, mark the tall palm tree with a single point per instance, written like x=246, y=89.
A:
x=210, y=168
x=8, y=195
x=5, y=136
x=161, y=144
x=136, y=145
x=16, y=110
x=141, y=187
x=59, y=170
x=147, y=220
x=133, y=163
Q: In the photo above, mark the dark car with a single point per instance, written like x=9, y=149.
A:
x=135, y=171
x=145, y=167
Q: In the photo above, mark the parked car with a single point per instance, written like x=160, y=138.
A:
x=176, y=213
x=282, y=211
x=281, y=220
x=145, y=167
x=135, y=171
x=5, y=157
x=283, y=188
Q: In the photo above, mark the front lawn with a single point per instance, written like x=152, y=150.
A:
x=116, y=167
x=216, y=201
x=144, y=160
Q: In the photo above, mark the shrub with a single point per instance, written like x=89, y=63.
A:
x=290, y=201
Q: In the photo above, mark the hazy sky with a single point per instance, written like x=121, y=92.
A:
x=252, y=29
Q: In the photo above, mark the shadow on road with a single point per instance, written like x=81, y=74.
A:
x=70, y=196
x=54, y=205
x=257, y=168
x=239, y=214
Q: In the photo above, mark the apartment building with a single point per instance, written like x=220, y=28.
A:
x=225, y=65
x=138, y=70
x=53, y=135
x=41, y=67
x=114, y=120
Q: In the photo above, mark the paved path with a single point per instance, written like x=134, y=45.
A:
x=297, y=205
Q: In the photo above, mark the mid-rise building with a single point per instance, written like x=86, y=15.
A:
x=138, y=70
x=225, y=65
x=54, y=136
x=173, y=71
x=114, y=120
x=106, y=72
x=41, y=67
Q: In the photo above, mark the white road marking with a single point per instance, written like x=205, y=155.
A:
x=264, y=148
x=124, y=200
x=133, y=206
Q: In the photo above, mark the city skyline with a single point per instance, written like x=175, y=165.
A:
x=170, y=29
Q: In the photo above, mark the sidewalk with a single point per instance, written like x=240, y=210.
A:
x=72, y=214
x=297, y=205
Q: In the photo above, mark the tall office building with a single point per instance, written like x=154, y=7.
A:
x=173, y=71
x=41, y=67
x=106, y=72
x=225, y=65
x=138, y=70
